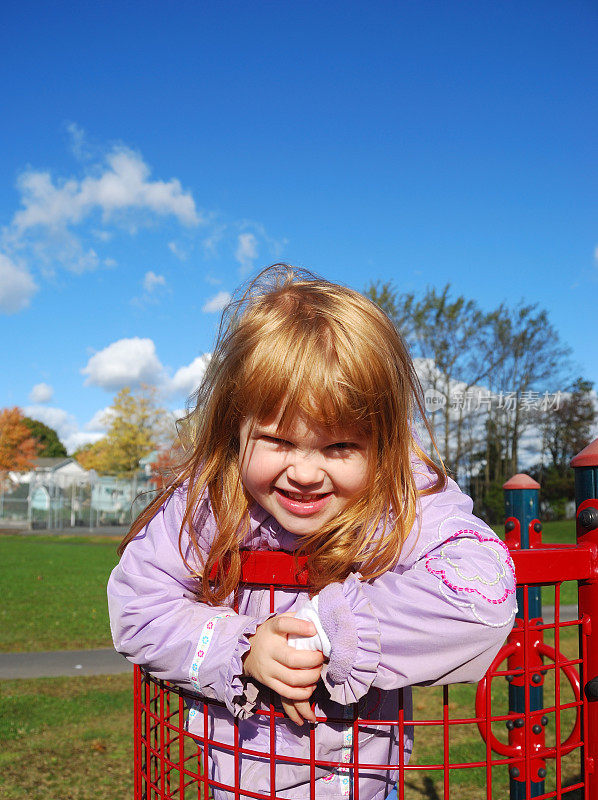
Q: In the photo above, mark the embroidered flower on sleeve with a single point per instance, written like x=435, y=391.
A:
x=475, y=569
x=202, y=648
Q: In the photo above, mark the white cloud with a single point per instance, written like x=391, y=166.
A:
x=211, y=242
x=187, y=379
x=70, y=221
x=126, y=362
x=60, y=420
x=17, y=287
x=151, y=281
x=41, y=393
x=78, y=139
x=246, y=251
x=51, y=228
x=100, y=420
x=177, y=251
x=79, y=439
x=102, y=236
x=216, y=303
x=121, y=184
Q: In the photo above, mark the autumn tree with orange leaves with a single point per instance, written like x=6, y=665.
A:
x=18, y=447
x=164, y=468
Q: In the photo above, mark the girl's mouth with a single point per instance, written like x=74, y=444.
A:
x=301, y=504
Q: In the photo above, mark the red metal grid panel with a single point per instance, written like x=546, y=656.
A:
x=468, y=745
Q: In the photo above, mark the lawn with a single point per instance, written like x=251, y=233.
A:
x=66, y=738
x=53, y=592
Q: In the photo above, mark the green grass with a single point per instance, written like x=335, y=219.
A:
x=557, y=532
x=53, y=592
x=66, y=738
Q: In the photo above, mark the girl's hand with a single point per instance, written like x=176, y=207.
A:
x=298, y=711
x=292, y=673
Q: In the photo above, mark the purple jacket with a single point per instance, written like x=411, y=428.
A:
x=439, y=616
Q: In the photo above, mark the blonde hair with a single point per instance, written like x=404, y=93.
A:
x=294, y=344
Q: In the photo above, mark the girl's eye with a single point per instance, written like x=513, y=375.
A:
x=275, y=440
x=342, y=447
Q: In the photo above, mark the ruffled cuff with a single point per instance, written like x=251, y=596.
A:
x=218, y=674
x=354, y=632
x=240, y=691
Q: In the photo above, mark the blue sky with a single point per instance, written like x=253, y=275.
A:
x=156, y=154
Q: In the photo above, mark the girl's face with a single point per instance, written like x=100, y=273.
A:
x=305, y=478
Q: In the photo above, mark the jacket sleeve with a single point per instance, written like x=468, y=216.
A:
x=157, y=622
x=440, y=616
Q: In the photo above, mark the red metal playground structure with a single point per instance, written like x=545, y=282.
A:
x=539, y=739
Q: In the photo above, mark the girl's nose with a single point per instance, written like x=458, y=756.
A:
x=304, y=469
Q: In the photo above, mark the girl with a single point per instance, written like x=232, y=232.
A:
x=303, y=440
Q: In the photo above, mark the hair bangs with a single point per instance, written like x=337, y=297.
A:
x=298, y=372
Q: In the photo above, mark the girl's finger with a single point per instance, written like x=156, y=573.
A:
x=298, y=678
x=292, y=713
x=296, y=693
x=299, y=659
x=298, y=627
x=298, y=712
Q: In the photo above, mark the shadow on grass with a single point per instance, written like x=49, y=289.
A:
x=426, y=790
x=578, y=794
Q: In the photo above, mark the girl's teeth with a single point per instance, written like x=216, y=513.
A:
x=304, y=498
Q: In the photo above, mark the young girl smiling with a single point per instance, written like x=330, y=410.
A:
x=302, y=439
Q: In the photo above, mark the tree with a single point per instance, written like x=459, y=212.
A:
x=50, y=445
x=501, y=358
x=18, y=448
x=136, y=426
x=94, y=456
x=567, y=428
x=164, y=467
x=399, y=307
x=531, y=354
x=454, y=339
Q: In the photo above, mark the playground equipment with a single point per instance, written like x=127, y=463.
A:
x=541, y=742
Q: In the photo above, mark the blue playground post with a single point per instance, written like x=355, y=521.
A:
x=523, y=530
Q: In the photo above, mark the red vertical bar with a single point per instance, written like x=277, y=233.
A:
x=206, y=751
x=162, y=760
x=526, y=683
x=557, y=684
x=136, y=733
x=355, y=770
x=445, y=741
x=272, y=720
x=488, y=713
x=583, y=637
x=588, y=611
x=181, y=732
x=148, y=735
x=237, y=770
x=401, y=782
x=312, y=762
x=585, y=465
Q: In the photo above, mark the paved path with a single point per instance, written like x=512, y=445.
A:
x=117, y=531
x=62, y=663
x=107, y=662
